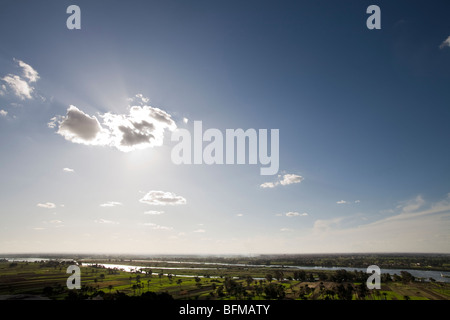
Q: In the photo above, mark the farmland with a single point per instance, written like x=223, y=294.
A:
x=159, y=280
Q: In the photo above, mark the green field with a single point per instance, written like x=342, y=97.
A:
x=48, y=280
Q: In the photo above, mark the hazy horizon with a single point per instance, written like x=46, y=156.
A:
x=88, y=119
x=252, y=255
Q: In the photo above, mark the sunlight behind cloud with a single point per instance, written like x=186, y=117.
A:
x=143, y=127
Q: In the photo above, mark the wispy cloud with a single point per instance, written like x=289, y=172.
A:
x=445, y=43
x=284, y=180
x=141, y=128
x=28, y=71
x=56, y=223
x=155, y=226
x=47, y=205
x=161, y=198
x=138, y=99
x=111, y=204
x=200, y=231
x=347, y=202
x=292, y=214
x=415, y=227
x=325, y=225
x=104, y=221
x=411, y=205
x=153, y=212
x=68, y=170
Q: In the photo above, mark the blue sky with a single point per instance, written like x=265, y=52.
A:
x=362, y=114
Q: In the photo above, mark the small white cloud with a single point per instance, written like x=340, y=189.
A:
x=200, y=231
x=18, y=85
x=153, y=212
x=157, y=227
x=68, y=170
x=293, y=214
x=357, y=201
x=111, y=204
x=161, y=198
x=268, y=185
x=239, y=215
x=185, y=120
x=3, y=113
x=290, y=179
x=55, y=221
x=445, y=43
x=284, y=180
x=341, y=202
x=285, y=229
x=47, y=205
x=103, y=221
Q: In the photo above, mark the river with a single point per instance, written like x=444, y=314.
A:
x=424, y=274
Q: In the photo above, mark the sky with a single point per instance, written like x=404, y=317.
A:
x=89, y=116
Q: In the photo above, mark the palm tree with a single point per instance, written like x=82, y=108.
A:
x=279, y=275
x=197, y=281
x=249, y=280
